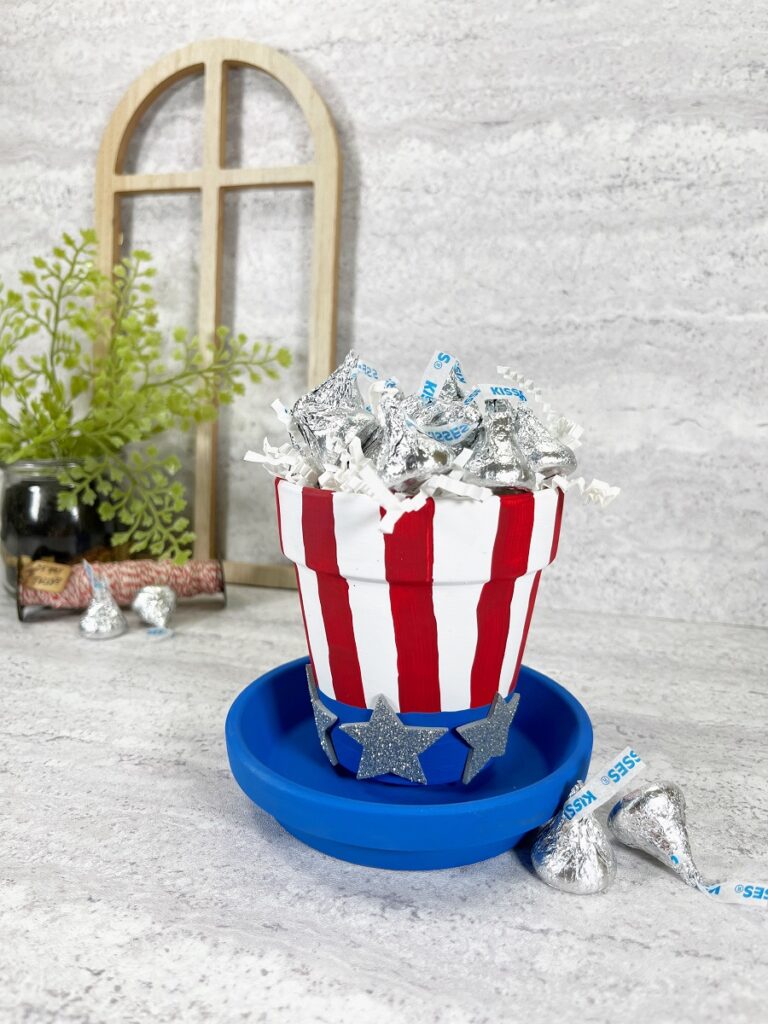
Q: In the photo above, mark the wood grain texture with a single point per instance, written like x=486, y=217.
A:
x=323, y=174
x=281, y=576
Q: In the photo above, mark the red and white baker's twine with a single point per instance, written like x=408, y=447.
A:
x=126, y=579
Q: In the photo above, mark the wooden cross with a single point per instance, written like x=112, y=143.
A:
x=323, y=174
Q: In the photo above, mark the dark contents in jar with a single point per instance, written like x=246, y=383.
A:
x=33, y=527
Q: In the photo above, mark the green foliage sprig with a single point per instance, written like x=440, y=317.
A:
x=102, y=387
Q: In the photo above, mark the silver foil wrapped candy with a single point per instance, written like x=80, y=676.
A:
x=483, y=439
x=652, y=818
x=328, y=432
x=543, y=453
x=154, y=605
x=340, y=389
x=324, y=421
x=406, y=456
x=574, y=856
x=103, y=619
x=497, y=460
x=446, y=419
x=452, y=389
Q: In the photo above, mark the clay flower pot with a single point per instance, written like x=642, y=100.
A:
x=434, y=616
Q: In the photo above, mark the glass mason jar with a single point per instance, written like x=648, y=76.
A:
x=32, y=527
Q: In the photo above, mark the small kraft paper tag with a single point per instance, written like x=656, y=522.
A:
x=50, y=577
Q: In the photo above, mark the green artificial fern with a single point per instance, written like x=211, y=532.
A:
x=103, y=388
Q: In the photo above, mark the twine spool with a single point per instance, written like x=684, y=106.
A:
x=125, y=579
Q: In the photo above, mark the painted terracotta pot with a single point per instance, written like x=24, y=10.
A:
x=435, y=615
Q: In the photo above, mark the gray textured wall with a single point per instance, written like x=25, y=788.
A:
x=576, y=188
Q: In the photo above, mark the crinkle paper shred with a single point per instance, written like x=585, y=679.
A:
x=362, y=432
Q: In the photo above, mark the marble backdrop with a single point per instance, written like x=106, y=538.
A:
x=575, y=188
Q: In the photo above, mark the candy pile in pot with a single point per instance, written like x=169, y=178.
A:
x=360, y=432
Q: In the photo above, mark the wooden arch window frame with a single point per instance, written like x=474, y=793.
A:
x=323, y=174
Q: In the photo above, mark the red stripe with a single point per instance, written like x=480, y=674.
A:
x=408, y=556
x=320, y=554
x=509, y=560
x=535, y=588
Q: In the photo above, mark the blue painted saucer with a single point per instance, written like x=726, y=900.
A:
x=277, y=761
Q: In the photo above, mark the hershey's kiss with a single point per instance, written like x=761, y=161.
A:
x=574, y=856
x=452, y=389
x=407, y=457
x=339, y=389
x=652, y=818
x=103, y=619
x=327, y=433
x=544, y=453
x=444, y=411
x=155, y=604
x=326, y=419
x=497, y=460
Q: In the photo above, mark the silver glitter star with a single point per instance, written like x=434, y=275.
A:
x=488, y=736
x=324, y=719
x=389, y=745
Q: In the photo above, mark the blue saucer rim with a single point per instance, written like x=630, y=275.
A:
x=273, y=781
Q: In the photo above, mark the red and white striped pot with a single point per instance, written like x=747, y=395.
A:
x=435, y=615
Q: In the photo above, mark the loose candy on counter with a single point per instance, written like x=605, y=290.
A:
x=652, y=818
x=154, y=606
x=574, y=856
x=103, y=619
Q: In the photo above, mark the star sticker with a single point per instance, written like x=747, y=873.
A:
x=488, y=736
x=324, y=719
x=389, y=745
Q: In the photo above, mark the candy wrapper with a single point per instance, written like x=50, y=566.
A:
x=154, y=606
x=652, y=818
x=574, y=856
x=103, y=619
x=360, y=432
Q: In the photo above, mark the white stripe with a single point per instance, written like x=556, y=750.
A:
x=460, y=554
x=313, y=619
x=290, y=506
x=517, y=615
x=544, y=516
x=289, y=510
x=360, y=556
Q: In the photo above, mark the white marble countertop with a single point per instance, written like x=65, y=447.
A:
x=139, y=883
